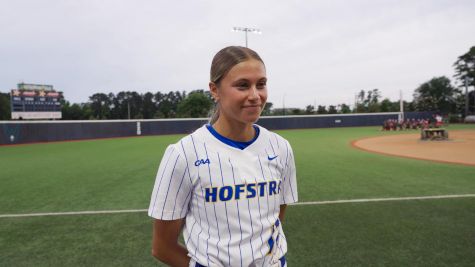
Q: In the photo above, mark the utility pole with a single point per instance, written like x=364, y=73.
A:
x=314, y=106
x=401, y=106
x=283, y=105
x=128, y=108
x=466, y=96
x=246, y=30
x=127, y=98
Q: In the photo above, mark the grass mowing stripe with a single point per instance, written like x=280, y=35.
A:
x=292, y=204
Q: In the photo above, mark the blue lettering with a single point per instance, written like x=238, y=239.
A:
x=211, y=194
x=226, y=193
x=223, y=196
x=251, y=189
x=202, y=161
x=262, y=188
x=272, y=187
x=239, y=190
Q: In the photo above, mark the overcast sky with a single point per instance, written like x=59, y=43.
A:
x=320, y=52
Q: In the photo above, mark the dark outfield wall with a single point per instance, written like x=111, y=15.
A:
x=19, y=132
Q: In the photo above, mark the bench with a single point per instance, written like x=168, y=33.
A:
x=434, y=134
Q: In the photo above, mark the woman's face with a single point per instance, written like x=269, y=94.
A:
x=242, y=93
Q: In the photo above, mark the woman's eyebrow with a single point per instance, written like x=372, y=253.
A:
x=248, y=80
x=240, y=81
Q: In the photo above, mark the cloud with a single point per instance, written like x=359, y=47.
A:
x=323, y=51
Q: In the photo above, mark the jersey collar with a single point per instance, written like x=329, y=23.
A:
x=233, y=143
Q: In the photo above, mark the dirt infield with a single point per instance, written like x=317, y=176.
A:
x=459, y=149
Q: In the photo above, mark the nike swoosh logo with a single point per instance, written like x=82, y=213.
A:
x=271, y=158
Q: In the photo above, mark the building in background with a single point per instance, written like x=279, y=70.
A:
x=35, y=101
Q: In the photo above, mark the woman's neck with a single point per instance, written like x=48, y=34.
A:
x=237, y=131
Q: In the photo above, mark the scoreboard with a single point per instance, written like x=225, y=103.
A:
x=35, y=101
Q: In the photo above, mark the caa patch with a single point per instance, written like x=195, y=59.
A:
x=202, y=161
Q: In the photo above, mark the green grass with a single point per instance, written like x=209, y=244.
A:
x=406, y=233
x=87, y=175
x=119, y=174
x=331, y=169
x=88, y=240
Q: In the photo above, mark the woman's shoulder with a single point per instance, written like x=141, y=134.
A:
x=272, y=135
x=188, y=143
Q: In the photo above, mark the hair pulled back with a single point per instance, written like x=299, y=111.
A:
x=223, y=62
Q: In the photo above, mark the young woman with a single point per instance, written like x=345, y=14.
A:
x=227, y=184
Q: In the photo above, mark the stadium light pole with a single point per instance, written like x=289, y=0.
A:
x=246, y=30
x=127, y=98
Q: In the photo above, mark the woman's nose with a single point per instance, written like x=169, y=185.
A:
x=253, y=93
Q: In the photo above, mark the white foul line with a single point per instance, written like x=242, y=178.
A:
x=70, y=213
x=380, y=199
x=293, y=204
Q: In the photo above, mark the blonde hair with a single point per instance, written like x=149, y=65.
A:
x=222, y=63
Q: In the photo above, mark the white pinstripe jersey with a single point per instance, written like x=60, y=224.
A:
x=230, y=197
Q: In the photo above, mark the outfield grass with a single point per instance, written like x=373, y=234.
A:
x=117, y=174
x=408, y=233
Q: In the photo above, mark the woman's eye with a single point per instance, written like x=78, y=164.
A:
x=242, y=85
x=261, y=85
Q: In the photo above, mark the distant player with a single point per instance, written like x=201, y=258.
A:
x=227, y=184
x=438, y=121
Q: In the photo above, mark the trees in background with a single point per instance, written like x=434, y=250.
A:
x=368, y=101
x=148, y=106
x=344, y=108
x=389, y=106
x=332, y=110
x=465, y=67
x=394, y=106
x=168, y=104
x=125, y=105
x=75, y=111
x=174, y=104
x=437, y=94
x=267, y=109
x=309, y=109
x=322, y=109
x=4, y=106
x=465, y=77
x=197, y=104
x=471, y=102
x=101, y=106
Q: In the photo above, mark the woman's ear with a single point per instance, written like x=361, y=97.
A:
x=214, y=91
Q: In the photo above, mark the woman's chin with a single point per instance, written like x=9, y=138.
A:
x=251, y=118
